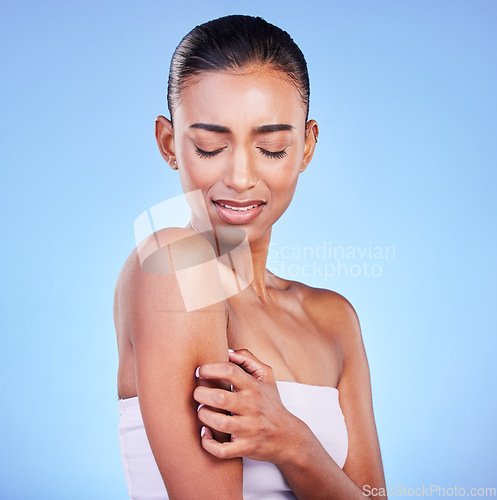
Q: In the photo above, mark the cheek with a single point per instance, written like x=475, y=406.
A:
x=285, y=193
x=282, y=184
x=196, y=173
x=283, y=178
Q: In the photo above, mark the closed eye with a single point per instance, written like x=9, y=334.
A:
x=207, y=154
x=273, y=154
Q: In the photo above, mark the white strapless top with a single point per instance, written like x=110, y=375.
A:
x=317, y=406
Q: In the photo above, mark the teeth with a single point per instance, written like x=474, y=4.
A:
x=238, y=209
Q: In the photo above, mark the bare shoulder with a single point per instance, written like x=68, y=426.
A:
x=331, y=311
x=173, y=270
x=164, y=252
x=162, y=255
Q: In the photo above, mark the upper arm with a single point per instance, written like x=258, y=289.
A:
x=363, y=464
x=169, y=343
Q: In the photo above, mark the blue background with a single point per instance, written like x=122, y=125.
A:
x=405, y=96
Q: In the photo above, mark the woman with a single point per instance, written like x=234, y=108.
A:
x=287, y=412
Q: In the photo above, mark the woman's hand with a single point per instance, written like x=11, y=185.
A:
x=261, y=427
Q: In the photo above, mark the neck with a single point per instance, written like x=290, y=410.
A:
x=259, y=251
x=247, y=258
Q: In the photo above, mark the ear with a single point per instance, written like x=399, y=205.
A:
x=311, y=139
x=165, y=140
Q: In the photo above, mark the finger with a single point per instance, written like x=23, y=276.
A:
x=205, y=433
x=252, y=365
x=228, y=372
x=223, y=450
x=217, y=398
x=220, y=422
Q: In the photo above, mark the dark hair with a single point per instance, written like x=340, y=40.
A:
x=232, y=43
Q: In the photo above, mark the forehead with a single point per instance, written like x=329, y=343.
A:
x=251, y=96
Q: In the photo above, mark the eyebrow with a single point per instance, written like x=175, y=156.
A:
x=263, y=129
x=277, y=127
x=211, y=127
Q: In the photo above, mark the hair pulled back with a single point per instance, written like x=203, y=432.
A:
x=232, y=43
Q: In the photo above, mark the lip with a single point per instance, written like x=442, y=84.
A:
x=239, y=211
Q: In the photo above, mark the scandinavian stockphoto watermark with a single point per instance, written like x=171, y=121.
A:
x=431, y=490
x=219, y=261
x=328, y=260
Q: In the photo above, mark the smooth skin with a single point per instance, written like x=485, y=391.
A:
x=280, y=329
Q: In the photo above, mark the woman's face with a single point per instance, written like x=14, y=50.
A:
x=241, y=140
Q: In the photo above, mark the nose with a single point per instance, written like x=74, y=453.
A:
x=241, y=174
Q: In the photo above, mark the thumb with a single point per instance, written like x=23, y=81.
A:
x=252, y=365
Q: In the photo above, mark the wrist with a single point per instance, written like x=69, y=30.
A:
x=295, y=443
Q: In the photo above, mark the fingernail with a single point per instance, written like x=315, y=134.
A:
x=197, y=372
x=200, y=406
x=231, y=350
x=202, y=431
